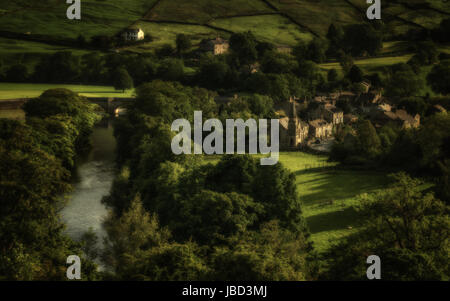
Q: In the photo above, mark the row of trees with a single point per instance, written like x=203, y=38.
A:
x=36, y=159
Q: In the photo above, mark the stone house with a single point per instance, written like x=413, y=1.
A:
x=333, y=114
x=133, y=34
x=366, y=86
x=320, y=129
x=400, y=117
x=216, y=46
x=328, y=112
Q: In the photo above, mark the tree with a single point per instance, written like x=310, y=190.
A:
x=183, y=43
x=413, y=105
x=335, y=35
x=407, y=228
x=65, y=106
x=316, y=50
x=369, y=143
x=439, y=78
x=60, y=67
x=332, y=75
x=346, y=62
x=17, y=73
x=243, y=47
x=361, y=39
x=164, y=51
x=122, y=80
x=137, y=248
x=210, y=218
x=404, y=84
x=355, y=74
x=213, y=74
x=441, y=34
x=274, y=62
x=272, y=253
x=171, y=69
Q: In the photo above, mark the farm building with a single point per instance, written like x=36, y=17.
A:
x=216, y=46
x=320, y=129
x=133, y=34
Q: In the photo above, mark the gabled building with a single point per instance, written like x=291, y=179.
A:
x=216, y=46
x=400, y=117
x=133, y=34
x=320, y=129
x=328, y=112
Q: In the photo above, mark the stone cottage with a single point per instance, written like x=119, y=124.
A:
x=216, y=46
x=328, y=112
x=320, y=129
x=133, y=34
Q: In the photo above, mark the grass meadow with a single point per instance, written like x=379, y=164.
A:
x=12, y=47
x=327, y=194
x=268, y=28
x=48, y=17
x=14, y=91
x=204, y=11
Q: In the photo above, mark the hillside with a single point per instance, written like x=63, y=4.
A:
x=282, y=22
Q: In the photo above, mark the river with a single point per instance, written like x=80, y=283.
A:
x=92, y=181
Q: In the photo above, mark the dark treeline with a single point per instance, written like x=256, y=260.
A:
x=37, y=157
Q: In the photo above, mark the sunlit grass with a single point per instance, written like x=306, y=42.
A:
x=327, y=194
x=14, y=91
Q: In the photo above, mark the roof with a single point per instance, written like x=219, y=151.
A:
x=318, y=123
x=403, y=115
x=284, y=122
x=332, y=108
x=440, y=108
x=134, y=30
x=218, y=41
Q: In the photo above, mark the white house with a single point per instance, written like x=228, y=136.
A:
x=133, y=34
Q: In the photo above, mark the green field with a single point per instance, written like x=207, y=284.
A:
x=267, y=28
x=204, y=11
x=48, y=17
x=327, y=194
x=10, y=47
x=282, y=22
x=163, y=33
x=14, y=91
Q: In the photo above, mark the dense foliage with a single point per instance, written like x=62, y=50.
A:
x=194, y=220
x=36, y=159
x=406, y=228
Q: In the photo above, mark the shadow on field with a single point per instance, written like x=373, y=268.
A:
x=333, y=186
x=334, y=220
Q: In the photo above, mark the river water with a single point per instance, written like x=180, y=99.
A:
x=93, y=178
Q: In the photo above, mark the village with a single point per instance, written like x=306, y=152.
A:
x=312, y=123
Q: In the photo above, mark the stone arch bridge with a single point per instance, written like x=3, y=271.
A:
x=111, y=105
